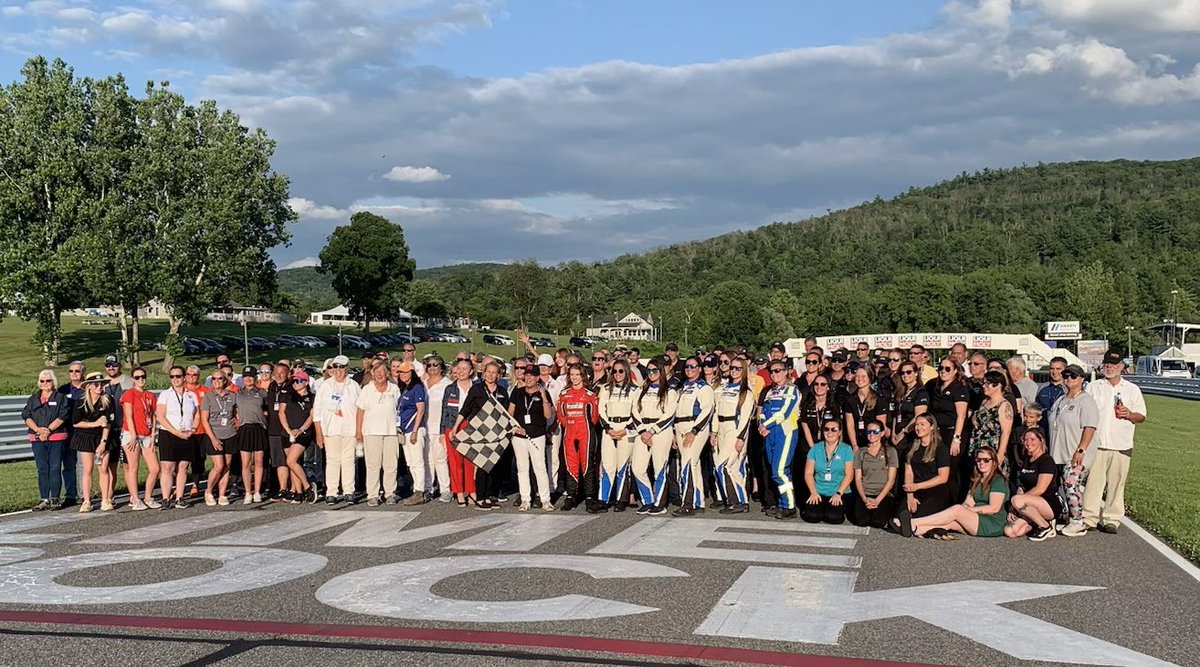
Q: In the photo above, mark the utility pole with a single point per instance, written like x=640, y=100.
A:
x=1129, y=341
x=687, y=314
x=1174, y=316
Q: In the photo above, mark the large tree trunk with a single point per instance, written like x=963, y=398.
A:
x=125, y=349
x=172, y=336
x=135, y=341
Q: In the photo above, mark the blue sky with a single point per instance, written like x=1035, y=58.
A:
x=497, y=130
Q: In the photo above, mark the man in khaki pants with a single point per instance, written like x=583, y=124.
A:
x=335, y=412
x=1121, y=407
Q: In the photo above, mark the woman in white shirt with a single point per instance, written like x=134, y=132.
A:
x=438, y=469
x=375, y=427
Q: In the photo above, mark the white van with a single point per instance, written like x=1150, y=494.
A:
x=1164, y=368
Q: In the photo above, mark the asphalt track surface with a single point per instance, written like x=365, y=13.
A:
x=1138, y=608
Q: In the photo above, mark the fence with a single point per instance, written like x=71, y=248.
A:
x=1173, y=387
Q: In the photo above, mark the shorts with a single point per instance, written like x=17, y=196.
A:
x=200, y=443
x=252, y=438
x=143, y=441
x=229, y=446
x=277, y=451
x=175, y=450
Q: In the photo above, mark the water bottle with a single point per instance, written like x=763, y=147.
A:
x=1117, y=403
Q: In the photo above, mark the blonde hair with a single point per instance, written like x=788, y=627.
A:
x=46, y=373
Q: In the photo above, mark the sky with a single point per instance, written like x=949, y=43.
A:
x=496, y=130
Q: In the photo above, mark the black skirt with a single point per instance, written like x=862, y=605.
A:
x=252, y=438
x=88, y=441
x=173, y=449
x=229, y=446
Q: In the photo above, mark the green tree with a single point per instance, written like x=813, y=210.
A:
x=45, y=129
x=524, y=290
x=736, y=310
x=424, y=299
x=371, y=270
x=1092, y=297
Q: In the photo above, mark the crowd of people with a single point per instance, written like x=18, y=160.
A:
x=966, y=445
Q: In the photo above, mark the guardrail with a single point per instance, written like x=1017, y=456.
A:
x=14, y=445
x=1173, y=387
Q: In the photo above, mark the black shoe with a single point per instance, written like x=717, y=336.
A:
x=182, y=504
x=620, y=507
x=596, y=507
x=535, y=504
x=905, y=523
x=684, y=511
x=1043, y=534
x=772, y=511
x=331, y=500
x=1110, y=528
x=643, y=510
x=167, y=504
x=67, y=502
x=739, y=508
x=569, y=504
x=55, y=504
x=657, y=511
x=786, y=513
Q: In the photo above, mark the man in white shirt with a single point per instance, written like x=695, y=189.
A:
x=334, y=412
x=409, y=353
x=1121, y=407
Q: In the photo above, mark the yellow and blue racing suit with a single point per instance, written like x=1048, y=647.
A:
x=780, y=416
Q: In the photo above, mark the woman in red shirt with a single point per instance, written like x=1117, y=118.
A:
x=137, y=440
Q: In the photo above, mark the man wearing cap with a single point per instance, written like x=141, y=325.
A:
x=72, y=393
x=1073, y=419
x=117, y=383
x=278, y=394
x=334, y=415
x=1121, y=408
x=778, y=352
x=363, y=374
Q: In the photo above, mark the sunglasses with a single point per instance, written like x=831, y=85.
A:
x=175, y=376
x=908, y=372
x=433, y=366
x=45, y=381
x=725, y=362
x=337, y=365
x=299, y=381
x=691, y=367
x=946, y=369
x=811, y=362
x=653, y=371
x=139, y=377
x=820, y=384
x=873, y=431
x=977, y=363
x=618, y=371
x=778, y=370
x=409, y=349
x=894, y=360
x=991, y=384
x=839, y=361
x=112, y=365
x=1071, y=376
x=736, y=368
x=831, y=429
x=983, y=460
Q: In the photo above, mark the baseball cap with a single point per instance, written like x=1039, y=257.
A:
x=299, y=375
x=1111, y=356
x=406, y=367
x=381, y=355
x=838, y=356
x=367, y=354
x=1076, y=369
x=112, y=360
x=545, y=360
x=341, y=359
x=759, y=361
x=778, y=346
x=249, y=371
x=710, y=361
x=672, y=347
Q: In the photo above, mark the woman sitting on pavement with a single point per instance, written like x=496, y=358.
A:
x=828, y=473
x=1035, y=509
x=875, y=466
x=926, y=475
x=981, y=514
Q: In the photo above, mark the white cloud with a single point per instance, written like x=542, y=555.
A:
x=990, y=14
x=306, y=208
x=1108, y=71
x=1168, y=16
x=303, y=262
x=415, y=175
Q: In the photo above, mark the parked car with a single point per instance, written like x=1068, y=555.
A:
x=260, y=343
x=192, y=347
x=313, y=342
x=542, y=342
x=579, y=341
x=355, y=342
x=496, y=339
x=284, y=340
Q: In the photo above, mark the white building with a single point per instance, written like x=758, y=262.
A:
x=236, y=313
x=631, y=326
x=340, y=316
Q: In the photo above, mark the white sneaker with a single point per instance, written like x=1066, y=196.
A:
x=138, y=506
x=209, y=500
x=247, y=499
x=1075, y=529
x=547, y=506
x=153, y=504
x=258, y=497
x=223, y=501
x=445, y=497
x=524, y=506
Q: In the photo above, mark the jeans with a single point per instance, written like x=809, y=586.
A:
x=48, y=457
x=69, y=462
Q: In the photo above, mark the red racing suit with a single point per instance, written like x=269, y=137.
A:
x=579, y=414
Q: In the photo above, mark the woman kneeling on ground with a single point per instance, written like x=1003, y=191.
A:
x=981, y=514
x=828, y=472
x=875, y=470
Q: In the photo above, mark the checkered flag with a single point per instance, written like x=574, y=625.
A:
x=485, y=436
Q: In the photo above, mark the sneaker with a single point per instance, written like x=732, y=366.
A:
x=106, y=506
x=42, y=506
x=655, y=511
x=349, y=499
x=415, y=499
x=195, y=491
x=786, y=513
x=258, y=498
x=247, y=499
x=313, y=496
x=485, y=505
x=85, y=507
x=182, y=503
x=620, y=507
x=445, y=497
x=537, y=504
x=67, y=502
x=684, y=511
x=1043, y=534
x=547, y=506
x=331, y=500
x=643, y=510
x=1110, y=528
x=209, y=500
x=594, y=507
x=295, y=498
x=772, y=511
x=138, y=506
x=223, y=501
x=153, y=504
x=55, y=504
x=372, y=502
x=393, y=499
x=166, y=504
x=1075, y=529
x=524, y=507
x=738, y=508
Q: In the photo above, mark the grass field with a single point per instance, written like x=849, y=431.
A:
x=91, y=343
x=1163, y=493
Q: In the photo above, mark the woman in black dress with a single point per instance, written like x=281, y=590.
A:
x=926, y=473
x=948, y=399
x=93, y=418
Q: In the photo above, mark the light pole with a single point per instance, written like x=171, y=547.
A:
x=1174, y=295
x=1129, y=342
x=245, y=338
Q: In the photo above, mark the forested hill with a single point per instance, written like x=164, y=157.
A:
x=311, y=290
x=998, y=250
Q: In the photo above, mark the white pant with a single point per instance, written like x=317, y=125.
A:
x=531, y=451
x=438, y=469
x=414, y=456
x=555, y=439
x=383, y=455
x=339, y=465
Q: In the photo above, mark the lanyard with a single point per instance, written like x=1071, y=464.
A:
x=222, y=402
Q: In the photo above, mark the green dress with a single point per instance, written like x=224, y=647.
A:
x=991, y=525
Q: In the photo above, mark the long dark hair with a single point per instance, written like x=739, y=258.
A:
x=901, y=390
x=612, y=378
x=985, y=481
x=664, y=388
x=935, y=439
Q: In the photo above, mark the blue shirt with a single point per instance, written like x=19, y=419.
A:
x=828, y=475
x=406, y=407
